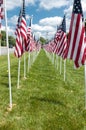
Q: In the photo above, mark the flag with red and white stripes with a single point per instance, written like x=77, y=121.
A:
x=19, y=46
x=21, y=36
x=61, y=40
x=23, y=27
x=1, y=11
x=28, y=36
x=76, y=43
x=32, y=44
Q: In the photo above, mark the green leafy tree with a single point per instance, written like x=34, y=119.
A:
x=42, y=40
x=11, y=41
x=3, y=39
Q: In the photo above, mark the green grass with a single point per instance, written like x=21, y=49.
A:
x=44, y=101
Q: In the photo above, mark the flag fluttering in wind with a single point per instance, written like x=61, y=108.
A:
x=76, y=44
x=61, y=40
x=1, y=11
x=19, y=46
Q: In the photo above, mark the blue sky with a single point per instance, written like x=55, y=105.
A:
x=47, y=14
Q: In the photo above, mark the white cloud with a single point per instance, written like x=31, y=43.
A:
x=42, y=28
x=84, y=7
x=13, y=20
x=37, y=34
x=68, y=11
x=49, y=4
x=45, y=4
x=17, y=3
x=52, y=21
x=12, y=4
x=47, y=25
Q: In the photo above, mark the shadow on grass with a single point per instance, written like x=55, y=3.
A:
x=48, y=101
x=4, y=76
x=5, y=84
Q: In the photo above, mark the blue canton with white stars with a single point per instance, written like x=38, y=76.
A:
x=77, y=7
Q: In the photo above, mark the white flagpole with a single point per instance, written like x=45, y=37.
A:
x=85, y=83
x=56, y=61
x=60, y=65
x=24, y=66
x=18, y=73
x=64, y=69
x=85, y=68
x=53, y=58
x=28, y=61
x=9, y=74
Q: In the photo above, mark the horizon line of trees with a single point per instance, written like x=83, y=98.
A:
x=12, y=40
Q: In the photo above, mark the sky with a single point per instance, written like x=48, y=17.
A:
x=46, y=15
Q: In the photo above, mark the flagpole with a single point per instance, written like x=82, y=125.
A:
x=18, y=73
x=60, y=65
x=9, y=74
x=56, y=61
x=85, y=67
x=24, y=66
x=85, y=83
x=64, y=69
x=53, y=58
x=28, y=60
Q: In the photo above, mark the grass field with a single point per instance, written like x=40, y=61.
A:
x=44, y=101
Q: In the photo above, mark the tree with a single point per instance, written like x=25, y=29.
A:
x=42, y=40
x=3, y=39
x=11, y=41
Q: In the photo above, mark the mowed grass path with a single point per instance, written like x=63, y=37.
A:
x=44, y=101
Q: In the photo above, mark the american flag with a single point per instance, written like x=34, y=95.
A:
x=23, y=27
x=61, y=39
x=28, y=36
x=85, y=31
x=18, y=47
x=32, y=45
x=1, y=11
x=76, y=44
x=18, y=22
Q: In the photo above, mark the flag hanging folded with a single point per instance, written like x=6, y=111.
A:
x=28, y=36
x=76, y=43
x=61, y=39
x=21, y=33
x=19, y=46
x=23, y=27
x=1, y=11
